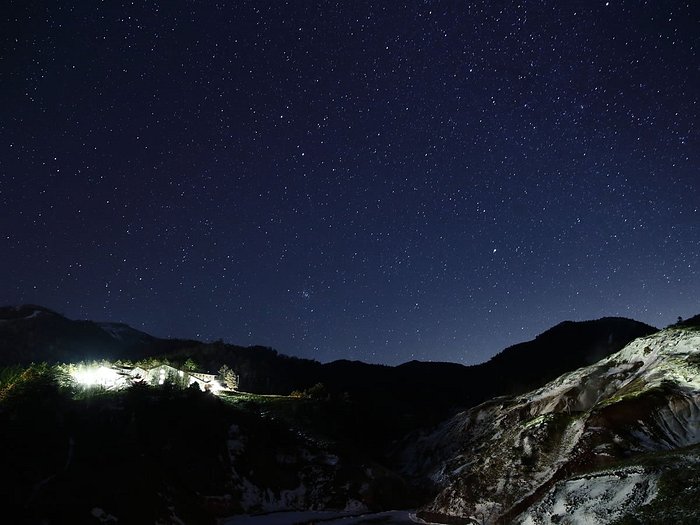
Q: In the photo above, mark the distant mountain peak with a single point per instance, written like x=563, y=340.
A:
x=122, y=331
x=24, y=311
x=611, y=321
x=34, y=333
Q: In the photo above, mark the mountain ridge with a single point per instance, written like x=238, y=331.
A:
x=391, y=400
x=55, y=338
x=346, y=426
x=30, y=311
x=518, y=459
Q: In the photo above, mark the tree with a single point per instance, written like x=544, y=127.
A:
x=229, y=377
x=150, y=362
x=318, y=391
x=190, y=365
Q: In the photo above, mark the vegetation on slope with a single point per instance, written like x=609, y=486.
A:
x=149, y=454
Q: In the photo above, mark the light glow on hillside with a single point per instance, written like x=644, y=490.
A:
x=109, y=376
x=90, y=376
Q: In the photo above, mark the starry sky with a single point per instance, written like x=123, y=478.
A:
x=382, y=181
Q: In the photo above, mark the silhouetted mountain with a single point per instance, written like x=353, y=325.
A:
x=414, y=393
x=692, y=322
x=34, y=333
x=566, y=346
x=31, y=333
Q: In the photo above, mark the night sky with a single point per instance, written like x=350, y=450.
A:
x=380, y=181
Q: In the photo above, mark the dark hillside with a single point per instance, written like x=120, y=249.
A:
x=170, y=455
x=691, y=322
x=386, y=402
x=567, y=346
x=30, y=333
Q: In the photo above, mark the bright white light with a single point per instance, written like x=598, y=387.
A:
x=96, y=376
x=111, y=378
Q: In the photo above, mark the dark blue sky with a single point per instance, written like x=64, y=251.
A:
x=380, y=181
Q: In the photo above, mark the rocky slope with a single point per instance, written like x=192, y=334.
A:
x=592, y=446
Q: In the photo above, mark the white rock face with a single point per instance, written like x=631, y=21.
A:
x=593, y=500
x=523, y=458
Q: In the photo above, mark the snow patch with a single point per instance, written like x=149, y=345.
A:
x=593, y=500
x=116, y=330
